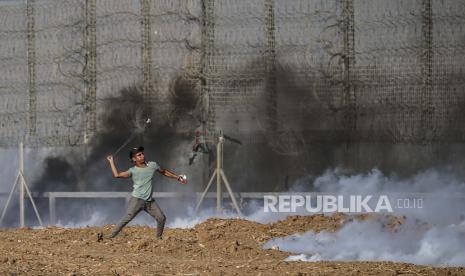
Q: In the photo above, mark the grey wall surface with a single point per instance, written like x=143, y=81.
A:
x=323, y=82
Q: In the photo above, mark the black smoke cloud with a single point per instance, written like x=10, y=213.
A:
x=310, y=138
x=77, y=170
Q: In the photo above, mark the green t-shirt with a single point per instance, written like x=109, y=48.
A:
x=142, y=179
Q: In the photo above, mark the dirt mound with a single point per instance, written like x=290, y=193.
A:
x=214, y=247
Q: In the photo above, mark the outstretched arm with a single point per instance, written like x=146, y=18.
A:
x=115, y=172
x=169, y=174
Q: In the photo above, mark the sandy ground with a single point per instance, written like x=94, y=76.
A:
x=214, y=247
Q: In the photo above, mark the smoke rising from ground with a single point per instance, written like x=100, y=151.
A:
x=440, y=190
x=431, y=235
x=440, y=206
x=374, y=181
x=167, y=140
x=370, y=241
x=76, y=170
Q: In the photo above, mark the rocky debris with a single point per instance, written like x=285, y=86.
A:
x=99, y=237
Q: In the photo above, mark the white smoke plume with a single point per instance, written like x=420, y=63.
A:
x=441, y=192
x=370, y=241
x=9, y=158
x=431, y=235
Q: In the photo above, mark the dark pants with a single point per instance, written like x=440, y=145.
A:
x=134, y=207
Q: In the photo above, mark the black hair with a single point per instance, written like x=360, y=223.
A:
x=134, y=151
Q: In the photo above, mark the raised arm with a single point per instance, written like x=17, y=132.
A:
x=115, y=172
x=169, y=174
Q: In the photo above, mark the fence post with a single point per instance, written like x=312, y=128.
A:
x=90, y=70
x=270, y=64
x=147, y=55
x=31, y=65
x=52, y=208
x=206, y=82
x=349, y=63
x=427, y=108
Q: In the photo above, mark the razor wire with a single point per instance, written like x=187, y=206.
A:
x=284, y=72
x=63, y=54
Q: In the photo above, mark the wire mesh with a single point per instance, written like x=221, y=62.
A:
x=288, y=72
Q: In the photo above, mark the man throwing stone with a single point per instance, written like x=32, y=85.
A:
x=141, y=197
